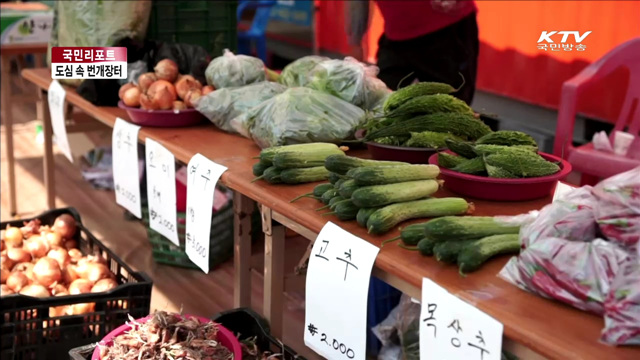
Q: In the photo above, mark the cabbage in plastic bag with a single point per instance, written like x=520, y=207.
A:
x=230, y=70
x=350, y=80
x=299, y=115
x=298, y=72
x=222, y=105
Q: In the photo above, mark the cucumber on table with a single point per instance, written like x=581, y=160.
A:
x=303, y=159
x=316, y=193
x=267, y=155
x=363, y=216
x=447, y=251
x=347, y=188
x=409, y=235
x=270, y=175
x=365, y=176
x=304, y=175
x=426, y=245
x=474, y=255
x=466, y=227
x=380, y=195
x=328, y=195
x=334, y=178
x=389, y=216
x=345, y=210
x=259, y=168
x=341, y=164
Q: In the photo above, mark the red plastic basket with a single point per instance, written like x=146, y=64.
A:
x=163, y=118
x=482, y=187
x=226, y=337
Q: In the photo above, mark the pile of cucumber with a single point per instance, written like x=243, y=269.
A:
x=382, y=194
x=295, y=164
x=468, y=241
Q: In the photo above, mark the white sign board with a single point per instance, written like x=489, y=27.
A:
x=55, y=97
x=161, y=190
x=126, y=168
x=202, y=177
x=336, y=294
x=452, y=329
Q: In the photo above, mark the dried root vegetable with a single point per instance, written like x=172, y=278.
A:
x=168, y=336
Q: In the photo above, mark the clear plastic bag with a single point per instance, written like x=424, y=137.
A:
x=298, y=72
x=622, y=307
x=299, y=115
x=350, y=80
x=230, y=70
x=401, y=329
x=222, y=105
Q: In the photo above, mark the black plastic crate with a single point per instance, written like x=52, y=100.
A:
x=27, y=330
x=210, y=24
x=243, y=322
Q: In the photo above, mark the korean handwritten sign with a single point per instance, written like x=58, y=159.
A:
x=336, y=294
x=202, y=176
x=126, y=169
x=161, y=190
x=55, y=98
x=450, y=328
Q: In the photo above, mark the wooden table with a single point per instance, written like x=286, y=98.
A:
x=533, y=326
x=7, y=52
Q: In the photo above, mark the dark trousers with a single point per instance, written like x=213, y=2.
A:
x=439, y=56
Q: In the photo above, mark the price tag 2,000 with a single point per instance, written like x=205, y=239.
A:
x=55, y=98
x=161, y=190
x=337, y=288
x=126, y=167
x=202, y=177
x=450, y=328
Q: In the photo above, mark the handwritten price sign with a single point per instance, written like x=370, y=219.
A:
x=126, y=169
x=161, y=190
x=450, y=328
x=336, y=294
x=55, y=98
x=202, y=177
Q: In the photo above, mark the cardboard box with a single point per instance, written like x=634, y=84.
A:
x=25, y=23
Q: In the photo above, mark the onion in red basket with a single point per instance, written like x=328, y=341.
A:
x=124, y=88
x=179, y=105
x=162, y=94
x=166, y=69
x=131, y=97
x=192, y=97
x=146, y=103
x=186, y=83
x=47, y=271
x=35, y=290
x=145, y=80
x=207, y=89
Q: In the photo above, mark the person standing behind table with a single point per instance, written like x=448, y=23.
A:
x=436, y=40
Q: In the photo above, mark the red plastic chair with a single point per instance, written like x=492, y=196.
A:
x=594, y=164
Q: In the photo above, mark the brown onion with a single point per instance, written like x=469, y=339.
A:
x=60, y=255
x=2, y=245
x=17, y=280
x=162, y=94
x=192, y=97
x=124, y=88
x=146, y=103
x=79, y=309
x=5, y=261
x=35, y=290
x=53, y=239
x=26, y=268
x=5, y=290
x=59, y=289
x=13, y=236
x=37, y=246
x=207, y=89
x=18, y=255
x=186, y=83
x=104, y=285
x=131, y=97
x=69, y=274
x=166, y=69
x=96, y=271
x=70, y=244
x=80, y=286
x=145, y=80
x=179, y=105
x=5, y=274
x=65, y=225
x=47, y=271
x=74, y=255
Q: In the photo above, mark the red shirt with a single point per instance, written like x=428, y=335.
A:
x=404, y=20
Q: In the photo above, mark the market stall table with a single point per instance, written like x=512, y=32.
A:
x=532, y=325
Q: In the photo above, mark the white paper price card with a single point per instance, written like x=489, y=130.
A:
x=126, y=168
x=336, y=294
x=161, y=190
x=452, y=329
x=202, y=176
x=55, y=98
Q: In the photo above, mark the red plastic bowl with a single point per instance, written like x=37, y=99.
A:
x=163, y=118
x=398, y=153
x=226, y=337
x=482, y=187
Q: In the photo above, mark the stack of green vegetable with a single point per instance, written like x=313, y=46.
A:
x=295, y=164
x=382, y=194
x=468, y=241
x=501, y=154
x=424, y=115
